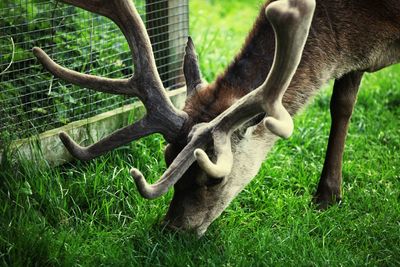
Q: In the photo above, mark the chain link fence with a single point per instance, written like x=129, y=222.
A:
x=32, y=101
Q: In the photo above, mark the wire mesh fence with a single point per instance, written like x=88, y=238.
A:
x=32, y=101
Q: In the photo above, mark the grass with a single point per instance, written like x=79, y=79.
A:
x=90, y=214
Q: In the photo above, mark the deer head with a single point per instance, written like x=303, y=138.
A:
x=210, y=158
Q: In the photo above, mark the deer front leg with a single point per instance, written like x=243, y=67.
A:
x=342, y=103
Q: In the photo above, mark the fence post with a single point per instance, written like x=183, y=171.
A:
x=157, y=28
x=178, y=33
x=167, y=23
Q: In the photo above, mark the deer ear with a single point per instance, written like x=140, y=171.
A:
x=191, y=68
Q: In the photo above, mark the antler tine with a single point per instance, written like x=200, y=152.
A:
x=125, y=15
x=191, y=68
x=112, y=86
x=223, y=152
x=291, y=21
x=120, y=137
x=172, y=175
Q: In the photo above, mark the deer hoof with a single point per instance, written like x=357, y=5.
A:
x=324, y=200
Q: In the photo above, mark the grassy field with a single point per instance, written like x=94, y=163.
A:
x=90, y=214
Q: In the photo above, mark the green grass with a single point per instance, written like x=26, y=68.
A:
x=90, y=214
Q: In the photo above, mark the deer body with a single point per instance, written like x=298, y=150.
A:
x=337, y=46
x=237, y=119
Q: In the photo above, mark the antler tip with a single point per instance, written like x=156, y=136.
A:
x=140, y=181
x=37, y=51
x=143, y=187
x=281, y=128
x=287, y=8
x=200, y=155
x=42, y=56
x=136, y=174
x=75, y=149
x=217, y=171
x=63, y=136
x=189, y=45
x=282, y=10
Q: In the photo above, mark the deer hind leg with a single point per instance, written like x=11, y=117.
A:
x=342, y=103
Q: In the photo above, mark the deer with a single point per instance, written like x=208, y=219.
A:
x=218, y=141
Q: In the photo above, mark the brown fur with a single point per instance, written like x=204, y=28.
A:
x=347, y=36
x=336, y=45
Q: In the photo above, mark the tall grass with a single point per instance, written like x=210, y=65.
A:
x=90, y=214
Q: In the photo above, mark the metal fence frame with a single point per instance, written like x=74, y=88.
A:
x=32, y=101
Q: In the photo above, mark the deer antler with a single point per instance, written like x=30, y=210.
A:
x=291, y=21
x=162, y=117
x=191, y=68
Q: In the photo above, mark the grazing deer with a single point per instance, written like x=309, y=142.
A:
x=220, y=139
